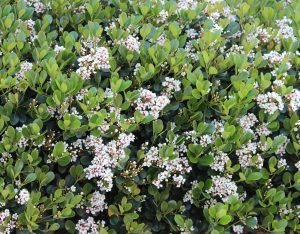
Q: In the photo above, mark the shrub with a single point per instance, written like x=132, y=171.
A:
x=149, y=116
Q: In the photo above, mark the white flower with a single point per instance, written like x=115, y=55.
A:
x=294, y=98
x=131, y=43
x=186, y=5
x=285, y=31
x=270, y=102
x=281, y=163
x=220, y=159
x=172, y=169
x=150, y=104
x=98, y=203
x=88, y=226
x=274, y=57
x=106, y=158
x=58, y=49
x=162, y=16
x=91, y=63
x=297, y=165
x=239, y=229
x=205, y=140
x=192, y=33
x=23, y=197
x=170, y=86
x=248, y=121
x=25, y=66
x=7, y=221
x=39, y=7
x=222, y=187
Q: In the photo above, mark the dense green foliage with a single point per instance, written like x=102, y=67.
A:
x=147, y=116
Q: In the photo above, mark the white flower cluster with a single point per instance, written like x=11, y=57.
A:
x=39, y=7
x=263, y=130
x=191, y=51
x=89, y=226
x=30, y=27
x=228, y=13
x=297, y=165
x=74, y=148
x=5, y=156
x=58, y=49
x=209, y=203
x=170, y=86
x=296, y=130
x=80, y=9
x=25, y=66
x=205, y=140
x=23, y=142
x=179, y=150
x=276, y=84
x=7, y=221
x=88, y=45
x=285, y=31
x=281, y=149
x=149, y=103
x=161, y=39
x=188, y=197
x=220, y=159
x=192, y=33
x=294, y=98
x=172, y=170
x=235, y=49
x=274, y=57
x=238, y=229
x=270, y=102
x=222, y=187
x=131, y=43
x=248, y=121
x=281, y=163
x=248, y=156
x=264, y=35
x=106, y=157
x=261, y=35
x=162, y=17
x=98, y=203
x=186, y=5
x=60, y=111
x=89, y=64
x=23, y=197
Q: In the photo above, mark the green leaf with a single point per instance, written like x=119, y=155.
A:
x=251, y=222
x=225, y=219
x=179, y=220
x=66, y=212
x=158, y=126
x=70, y=226
x=145, y=30
x=48, y=178
x=231, y=28
x=76, y=200
x=54, y=227
x=30, y=178
x=206, y=160
x=174, y=29
x=64, y=161
x=254, y=176
x=59, y=149
x=18, y=167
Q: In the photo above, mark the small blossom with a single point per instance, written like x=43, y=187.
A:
x=23, y=197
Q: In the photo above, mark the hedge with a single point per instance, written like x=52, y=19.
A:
x=147, y=116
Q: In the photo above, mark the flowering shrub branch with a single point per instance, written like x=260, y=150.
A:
x=126, y=116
